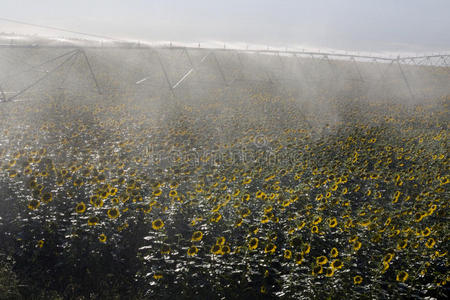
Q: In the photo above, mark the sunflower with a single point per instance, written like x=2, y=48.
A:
x=192, y=251
x=317, y=220
x=34, y=204
x=93, y=221
x=165, y=249
x=80, y=208
x=39, y=187
x=216, y=249
x=173, y=193
x=246, y=181
x=318, y=269
x=245, y=212
x=113, y=213
x=246, y=197
x=332, y=222
x=330, y=272
x=113, y=191
x=299, y=258
x=157, y=192
x=102, y=238
x=321, y=260
x=402, y=244
x=217, y=207
x=265, y=219
x=27, y=171
x=385, y=267
x=104, y=194
x=261, y=195
x=12, y=163
x=263, y=289
x=157, y=276
x=336, y=264
x=47, y=197
x=388, y=257
x=220, y=240
x=357, y=279
x=402, y=276
x=216, y=217
x=301, y=225
x=430, y=243
x=306, y=248
x=270, y=248
x=40, y=243
x=418, y=217
x=357, y=245
x=225, y=249
x=96, y=201
x=197, y=236
x=157, y=224
x=238, y=222
x=287, y=254
x=334, y=252
x=314, y=229
x=426, y=231
x=286, y=203
x=353, y=239
x=253, y=244
x=78, y=182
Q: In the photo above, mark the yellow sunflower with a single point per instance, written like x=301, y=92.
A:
x=334, y=252
x=357, y=279
x=216, y=249
x=80, y=208
x=332, y=222
x=157, y=224
x=47, y=197
x=253, y=244
x=93, y=221
x=192, y=251
x=113, y=213
x=336, y=264
x=102, y=238
x=197, y=236
x=34, y=204
x=270, y=248
x=402, y=276
x=321, y=260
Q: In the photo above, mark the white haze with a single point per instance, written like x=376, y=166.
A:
x=384, y=26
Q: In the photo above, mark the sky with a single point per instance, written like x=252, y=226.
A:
x=350, y=25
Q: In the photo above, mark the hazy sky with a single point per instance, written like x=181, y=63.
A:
x=360, y=25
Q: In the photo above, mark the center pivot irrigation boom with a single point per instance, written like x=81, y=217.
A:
x=67, y=57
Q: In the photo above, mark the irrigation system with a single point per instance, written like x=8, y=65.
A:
x=210, y=54
x=67, y=52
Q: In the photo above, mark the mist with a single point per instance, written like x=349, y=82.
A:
x=241, y=150
x=384, y=26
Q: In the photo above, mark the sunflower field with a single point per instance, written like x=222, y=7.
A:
x=244, y=192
